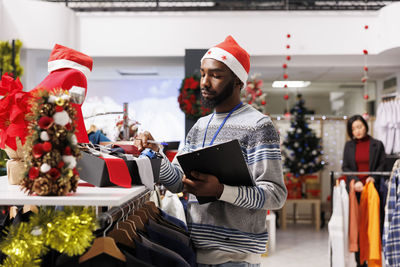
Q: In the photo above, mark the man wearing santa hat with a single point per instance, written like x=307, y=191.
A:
x=232, y=230
x=69, y=70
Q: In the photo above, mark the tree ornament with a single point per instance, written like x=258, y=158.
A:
x=314, y=152
x=364, y=79
x=285, y=86
x=61, y=118
x=365, y=116
x=365, y=51
x=253, y=95
x=285, y=76
x=288, y=58
x=296, y=144
x=301, y=171
x=284, y=66
x=288, y=35
x=366, y=96
x=44, y=136
x=365, y=68
x=286, y=97
x=287, y=46
x=366, y=27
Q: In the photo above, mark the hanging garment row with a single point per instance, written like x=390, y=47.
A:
x=355, y=225
x=387, y=125
x=391, y=229
x=137, y=233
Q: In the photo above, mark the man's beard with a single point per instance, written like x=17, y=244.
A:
x=218, y=99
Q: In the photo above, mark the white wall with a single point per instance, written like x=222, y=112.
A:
x=261, y=33
x=38, y=24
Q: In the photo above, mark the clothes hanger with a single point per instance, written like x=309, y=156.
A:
x=142, y=215
x=152, y=206
x=129, y=225
x=13, y=212
x=150, y=216
x=123, y=233
x=28, y=208
x=104, y=245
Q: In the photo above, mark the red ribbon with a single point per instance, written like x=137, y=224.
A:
x=118, y=172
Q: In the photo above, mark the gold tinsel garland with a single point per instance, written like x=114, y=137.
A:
x=69, y=231
x=51, y=146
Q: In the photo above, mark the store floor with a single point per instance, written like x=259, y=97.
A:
x=299, y=246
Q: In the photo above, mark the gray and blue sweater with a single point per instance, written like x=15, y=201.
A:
x=236, y=223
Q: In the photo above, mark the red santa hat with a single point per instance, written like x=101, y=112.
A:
x=64, y=57
x=232, y=55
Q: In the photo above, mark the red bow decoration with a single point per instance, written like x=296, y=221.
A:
x=13, y=107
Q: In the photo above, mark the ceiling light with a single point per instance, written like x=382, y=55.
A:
x=290, y=84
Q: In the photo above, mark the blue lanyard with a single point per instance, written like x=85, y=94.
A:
x=222, y=124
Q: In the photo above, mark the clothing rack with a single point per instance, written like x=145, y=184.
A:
x=335, y=175
x=118, y=212
x=390, y=96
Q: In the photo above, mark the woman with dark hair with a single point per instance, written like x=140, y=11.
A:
x=361, y=154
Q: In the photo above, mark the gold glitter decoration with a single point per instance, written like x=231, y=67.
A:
x=22, y=248
x=59, y=101
x=69, y=231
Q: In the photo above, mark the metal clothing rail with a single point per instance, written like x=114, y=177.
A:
x=118, y=212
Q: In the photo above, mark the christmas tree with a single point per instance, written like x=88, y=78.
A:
x=302, y=148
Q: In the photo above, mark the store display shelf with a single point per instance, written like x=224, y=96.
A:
x=84, y=196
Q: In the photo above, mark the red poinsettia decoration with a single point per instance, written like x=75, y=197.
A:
x=189, y=98
x=13, y=108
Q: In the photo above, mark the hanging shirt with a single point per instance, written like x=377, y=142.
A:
x=336, y=231
x=391, y=230
x=369, y=231
x=353, y=219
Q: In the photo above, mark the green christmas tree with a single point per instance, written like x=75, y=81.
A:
x=302, y=148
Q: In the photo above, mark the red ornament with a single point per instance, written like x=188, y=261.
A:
x=287, y=46
x=45, y=122
x=365, y=68
x=68, y=126
x=366, y=96
x=286, y=97
x=284, y=66
x=54, y=173
x=288, y=35
x=365, y=51
x=364, y=79
x=263, y=102
x=288, y=58
x=60, y=164
x=285, y=76
x=37, y=150
x=67, y=151
x=59, y=108
x=366, y=27
x=47, y=146
x=33, y=173
x=285, y=86
x=250, y=102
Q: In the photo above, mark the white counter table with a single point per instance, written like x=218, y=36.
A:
x=84, y=196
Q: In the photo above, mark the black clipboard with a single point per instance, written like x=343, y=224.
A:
x=225, y=161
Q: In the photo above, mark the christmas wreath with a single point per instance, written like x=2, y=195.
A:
x=189, y=98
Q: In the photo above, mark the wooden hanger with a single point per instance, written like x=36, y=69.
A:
x=122, y=236
x=138, y=222
x=151, y=211
x=148, y=213
x=129, y=226
x=28, y=208
x=104, y=245
x=142, y=216
x=13, y=212
x=153, y=207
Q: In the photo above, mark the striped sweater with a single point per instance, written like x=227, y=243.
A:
x=237, y=221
